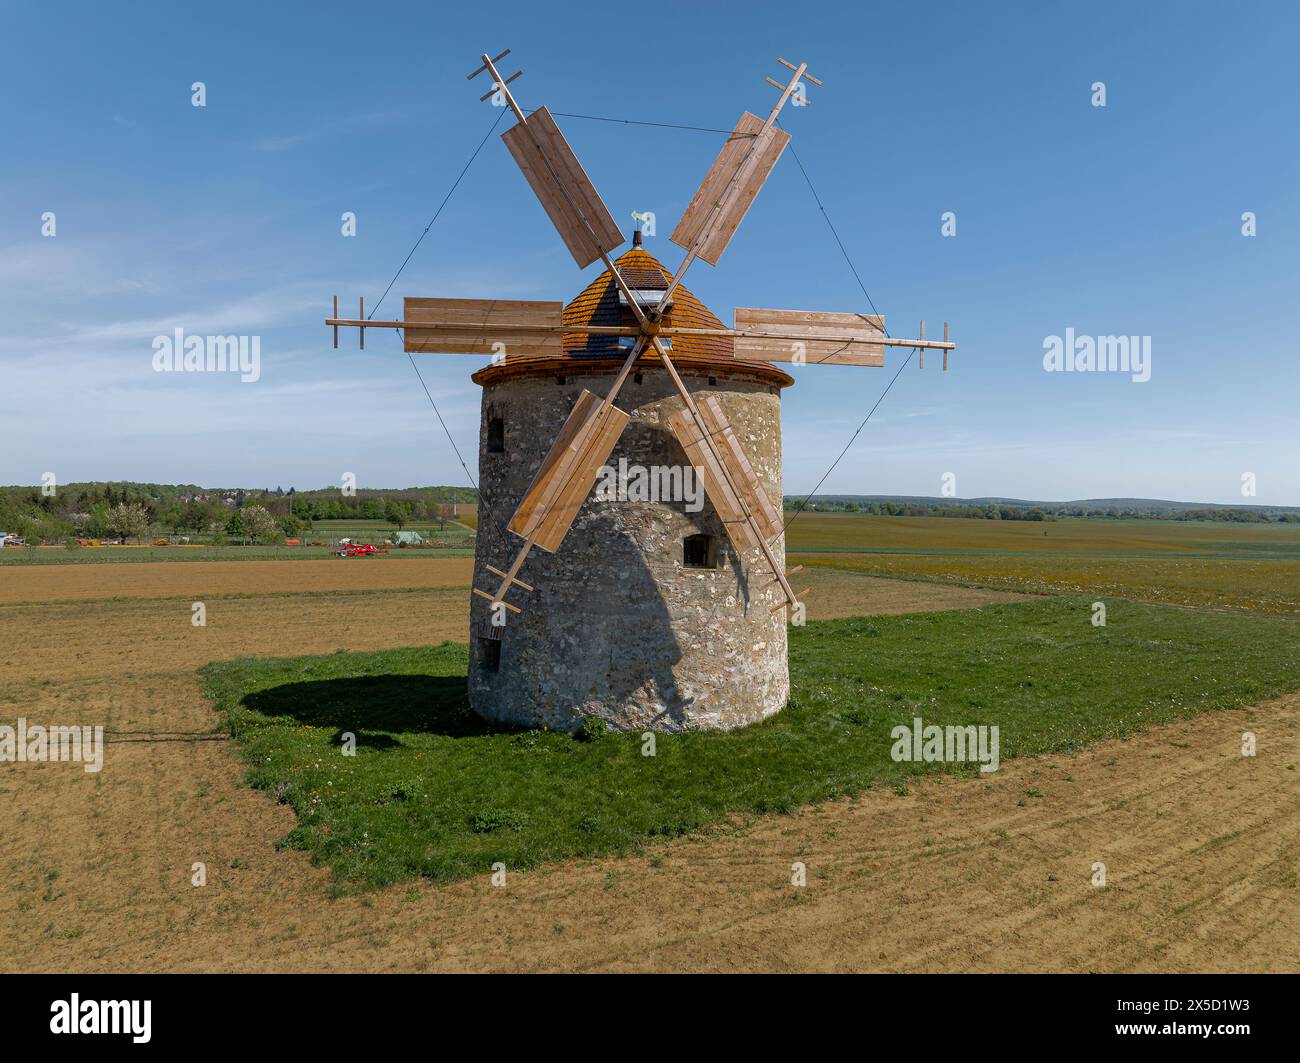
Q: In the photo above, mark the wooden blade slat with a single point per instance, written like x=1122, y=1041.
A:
x=765, y=514
x=555, y=146
x=568, y=473
x=730, y=186
x=558, y=462
x=689, y=433
x=720, y=175
x=827, y=338
x=552, y=170
x=757, y=315
x=526, y=327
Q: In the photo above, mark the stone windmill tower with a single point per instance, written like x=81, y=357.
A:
x=647, y=615
x=637, y=441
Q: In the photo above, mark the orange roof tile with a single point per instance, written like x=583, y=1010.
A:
x=598, y=304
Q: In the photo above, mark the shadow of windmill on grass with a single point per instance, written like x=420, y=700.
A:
x=371, y=705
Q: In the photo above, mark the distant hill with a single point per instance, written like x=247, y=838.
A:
x=1028, y=509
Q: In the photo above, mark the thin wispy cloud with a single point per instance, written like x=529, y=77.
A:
x=289, y=141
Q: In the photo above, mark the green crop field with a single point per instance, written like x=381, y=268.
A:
x=1254, y=567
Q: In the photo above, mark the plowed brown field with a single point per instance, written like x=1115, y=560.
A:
x=162, y=579
x=1201, y=845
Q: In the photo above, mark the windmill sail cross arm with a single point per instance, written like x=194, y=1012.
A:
x=565, y=478
x=816, y=337
x=729, y=188
x=809, y=336
x=568, y=472
x=729, y=479
x=739, y=482
x=563, y=188
x=554, y=173
x=512, y=327
x=733, y=181
x=690, y=434
x=767, y=517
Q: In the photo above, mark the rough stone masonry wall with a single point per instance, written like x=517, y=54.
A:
x=617, y=627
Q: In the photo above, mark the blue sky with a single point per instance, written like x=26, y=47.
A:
x=1123, y=220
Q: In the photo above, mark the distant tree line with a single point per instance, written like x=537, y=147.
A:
x=138, y=511
x=922, y=509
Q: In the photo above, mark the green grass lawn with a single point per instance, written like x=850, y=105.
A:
x=435, y=791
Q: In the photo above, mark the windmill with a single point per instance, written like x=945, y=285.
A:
x=655, y=321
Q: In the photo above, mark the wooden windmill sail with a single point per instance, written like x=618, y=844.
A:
x=661, y=315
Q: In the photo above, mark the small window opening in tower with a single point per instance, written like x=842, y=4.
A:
x=637, y=378
x=713, y=381
x=561, y=380
x=699, y=551
x=646, y=298
x=490, y=654
x=496, y=435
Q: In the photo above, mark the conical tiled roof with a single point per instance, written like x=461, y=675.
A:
x=598, y=304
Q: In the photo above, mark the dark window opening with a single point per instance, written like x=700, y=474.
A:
x=698, y=551
x=496, y=435
x=561, y=380
x=713, y=381
x=637, y=378
x=489, y=654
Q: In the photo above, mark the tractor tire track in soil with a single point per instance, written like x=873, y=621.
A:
x=1201, y=847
